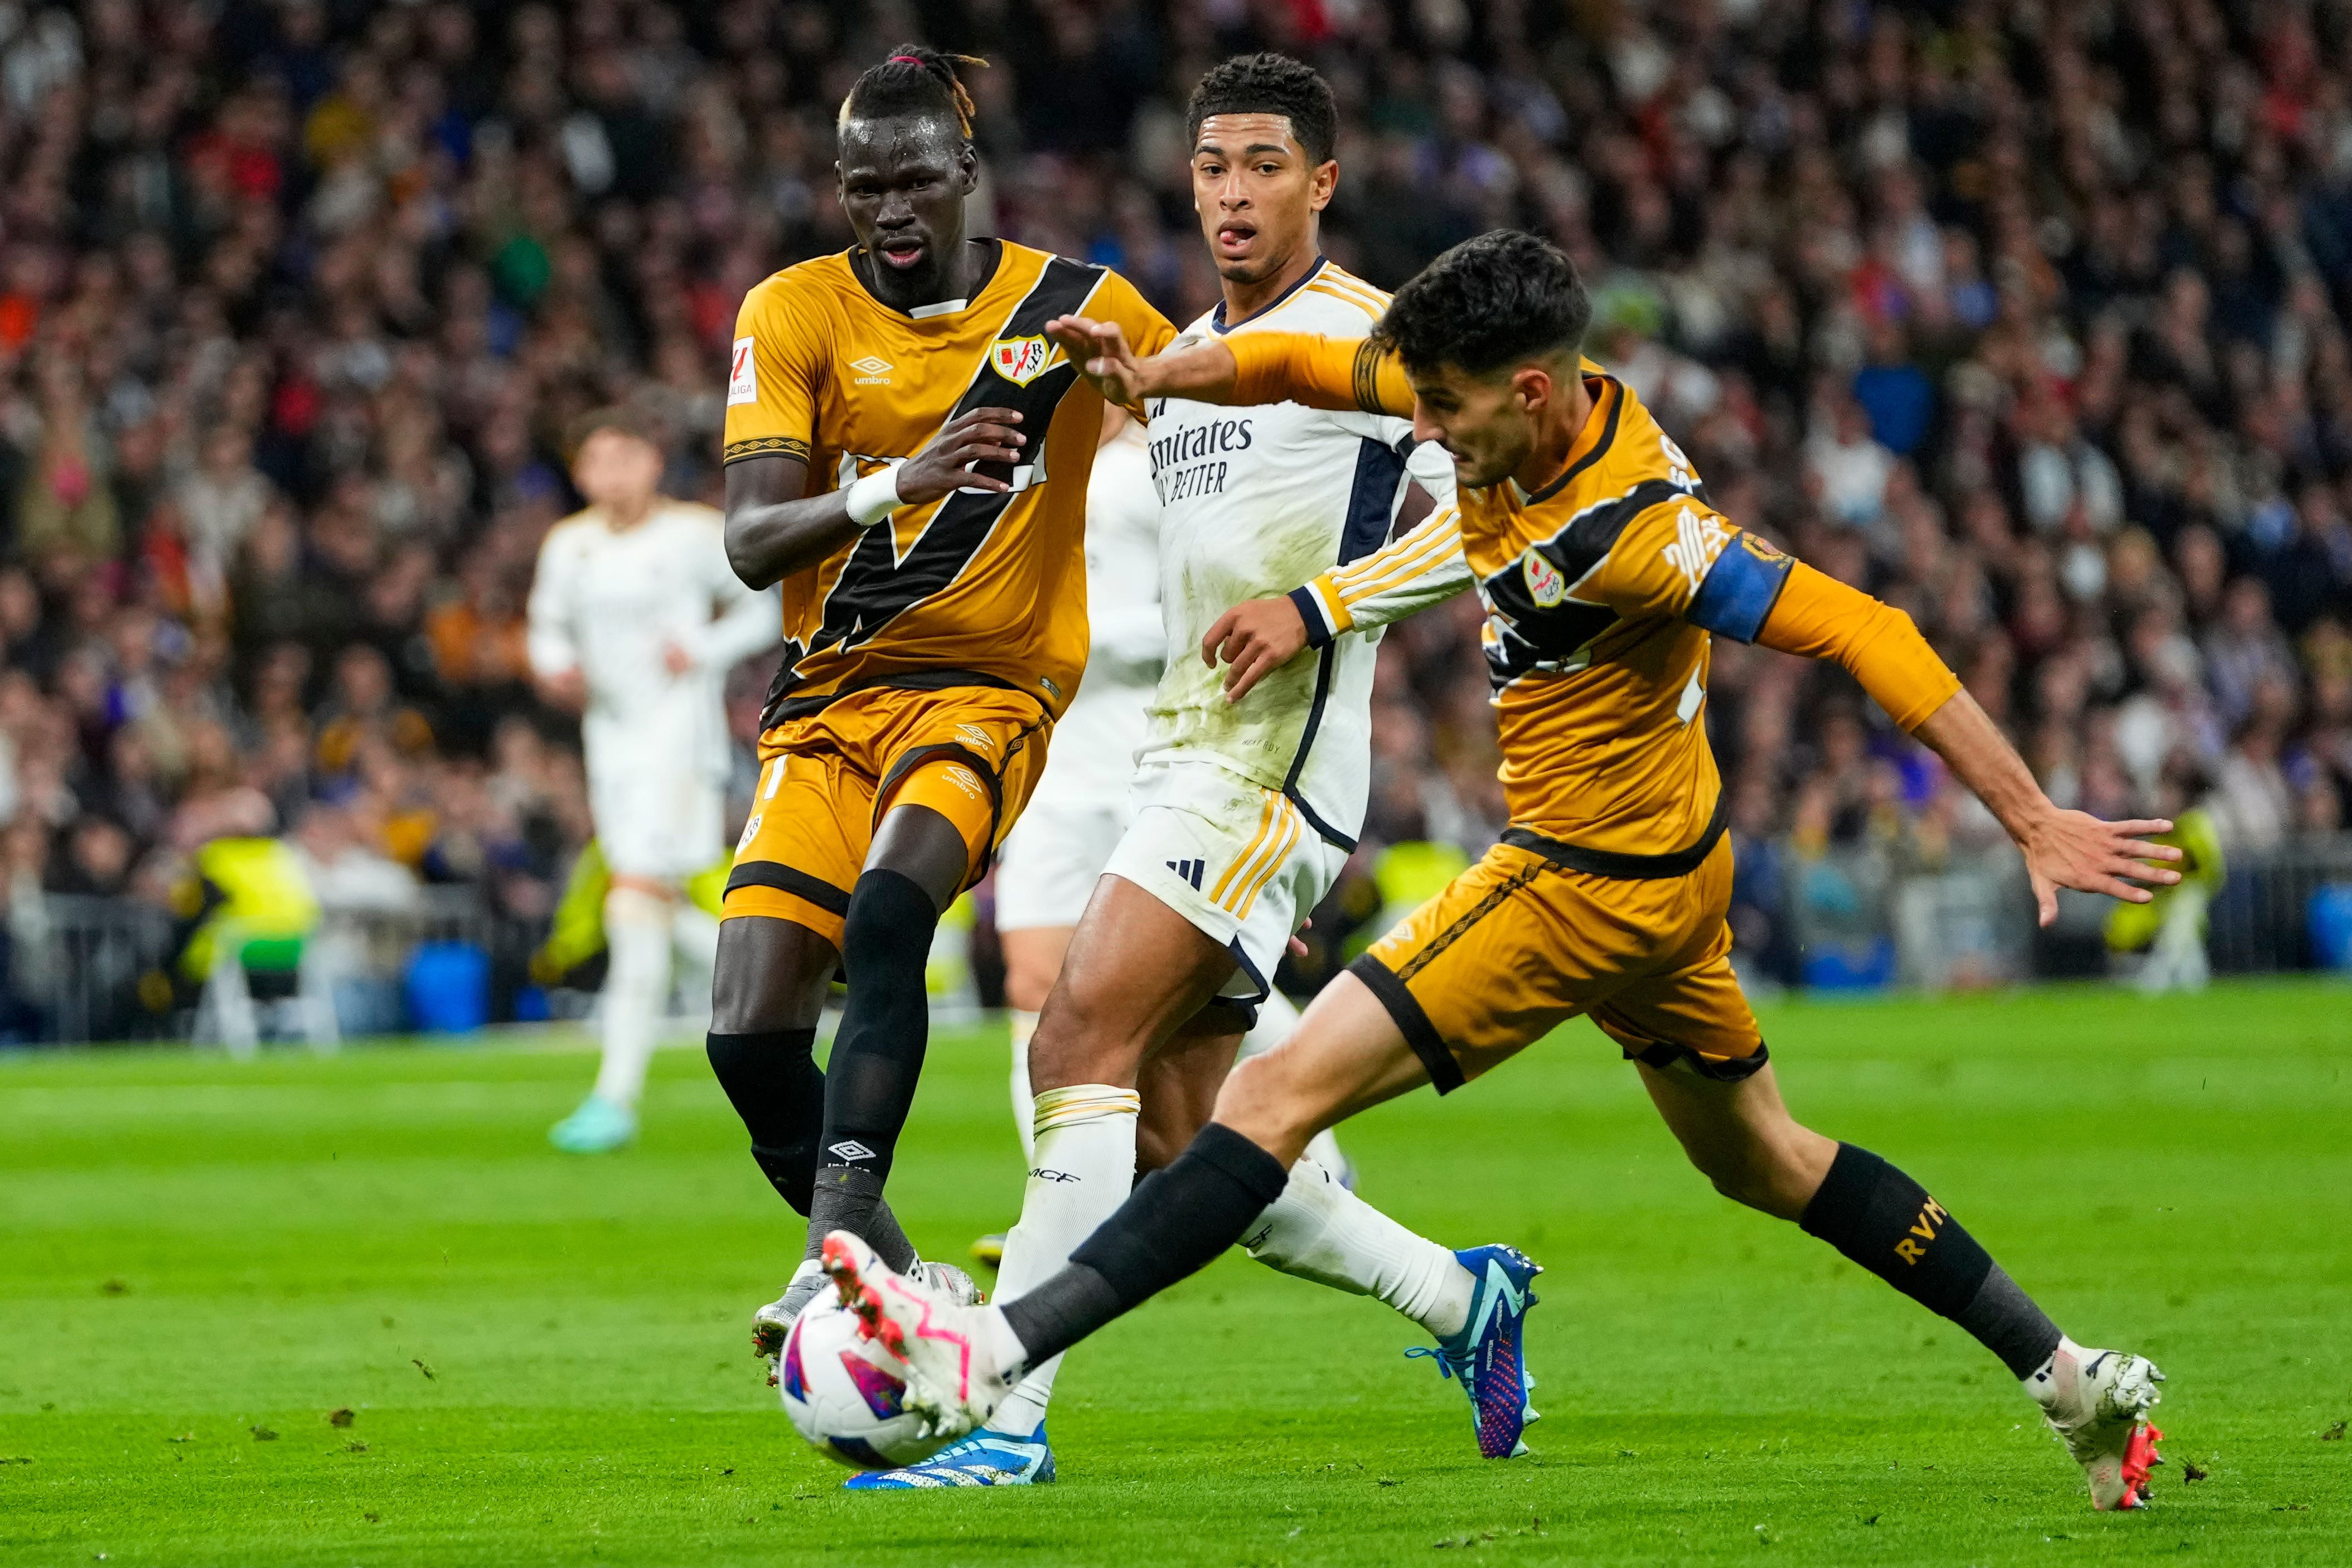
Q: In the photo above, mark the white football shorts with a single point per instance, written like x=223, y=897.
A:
x=1239, y=861
x=1047, y=866
x=665, y=824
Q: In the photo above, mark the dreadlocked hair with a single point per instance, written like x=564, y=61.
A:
x=915, y=79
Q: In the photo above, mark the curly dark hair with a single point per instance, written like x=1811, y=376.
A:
x=1501, y=299
x=1269, y=84
x=915, y=79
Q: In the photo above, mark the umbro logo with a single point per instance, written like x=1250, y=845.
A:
x=1190, y=870
x=872, y=370
x=849, y=1151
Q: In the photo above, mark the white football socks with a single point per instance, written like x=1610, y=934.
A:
x=636, y=986
x=1319, y=1230
x=1024, y=1104
x=1082, y=1170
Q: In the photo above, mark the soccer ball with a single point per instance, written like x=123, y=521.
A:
x=843, y=1392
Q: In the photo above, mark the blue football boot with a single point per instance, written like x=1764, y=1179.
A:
x=1488, y=1357
x=985, y=1458
x=598, y=1127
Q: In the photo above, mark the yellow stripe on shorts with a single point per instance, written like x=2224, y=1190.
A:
x=1265, y=827
x=1288, y=842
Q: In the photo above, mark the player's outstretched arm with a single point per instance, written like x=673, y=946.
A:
x=2063, y=849
x=1421, y=567
x=1203, y=371
x=774, y=529
x=1818, y=616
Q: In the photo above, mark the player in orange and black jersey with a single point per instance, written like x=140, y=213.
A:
x=907, y=456
x=1605, y=572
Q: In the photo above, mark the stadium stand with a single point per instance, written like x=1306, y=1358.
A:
x=2031, y=319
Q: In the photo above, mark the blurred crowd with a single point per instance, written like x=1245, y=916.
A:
x=2028, y=318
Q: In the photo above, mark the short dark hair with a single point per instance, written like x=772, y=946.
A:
x=1505, y=297
x=915, y=79
x=622, y=419
x=1269, y=84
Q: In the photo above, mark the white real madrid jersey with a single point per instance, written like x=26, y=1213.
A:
x=609, y=603
x=1256, y=501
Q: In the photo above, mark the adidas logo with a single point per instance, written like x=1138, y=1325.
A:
x=1190, y=870
x=849, y=1151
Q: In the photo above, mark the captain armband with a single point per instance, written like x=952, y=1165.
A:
x=1740, y=589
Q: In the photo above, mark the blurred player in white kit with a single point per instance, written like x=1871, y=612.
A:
x=636, y=620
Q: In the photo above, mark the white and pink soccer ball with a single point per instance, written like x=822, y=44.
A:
x=844, y=1392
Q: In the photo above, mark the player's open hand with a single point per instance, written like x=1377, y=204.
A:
x=945, y=467
x=1254, y=639
x=1100, y=350
x=2074, y=849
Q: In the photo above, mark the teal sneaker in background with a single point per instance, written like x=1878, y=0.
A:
x=598, y=1127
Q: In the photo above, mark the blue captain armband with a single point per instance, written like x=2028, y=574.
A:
x=1740, y=588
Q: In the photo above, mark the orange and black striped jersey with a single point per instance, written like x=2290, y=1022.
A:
x=979, y=587
x=1600, y=590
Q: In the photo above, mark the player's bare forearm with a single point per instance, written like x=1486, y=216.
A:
x=2063, y=849
x=1979, y=755
x=1204, y=372
x=773, y=530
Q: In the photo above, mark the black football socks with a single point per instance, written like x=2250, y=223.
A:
x=1885, y=1221
x=778, y=1089
x=877, y=1056
x=1174, y=1223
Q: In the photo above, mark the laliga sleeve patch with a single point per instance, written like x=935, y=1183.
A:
x=742, y=374
x=1740, y=589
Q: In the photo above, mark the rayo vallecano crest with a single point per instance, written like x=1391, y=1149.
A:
x=1545, y=586
x=1021, y=360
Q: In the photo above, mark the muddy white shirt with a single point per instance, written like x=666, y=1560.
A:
x=1256, y=501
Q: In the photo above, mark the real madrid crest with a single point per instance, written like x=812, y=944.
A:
x=1021, y=360
x=1545, y=586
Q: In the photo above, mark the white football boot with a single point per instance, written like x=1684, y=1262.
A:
x=2097, y=1403
x=771, y=1323
x=959, y=1359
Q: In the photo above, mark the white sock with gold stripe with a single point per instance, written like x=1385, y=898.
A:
x=1083, y=1168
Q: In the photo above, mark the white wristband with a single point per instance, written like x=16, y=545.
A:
x=873, y=498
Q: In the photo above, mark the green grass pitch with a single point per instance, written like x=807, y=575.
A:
x=547, y=1359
